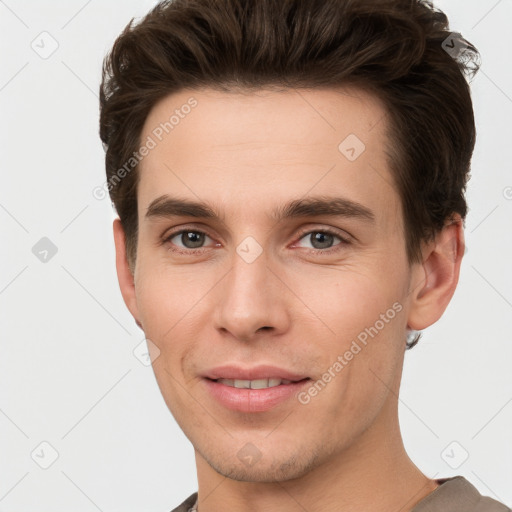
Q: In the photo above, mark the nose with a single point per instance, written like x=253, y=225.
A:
x=252, y=299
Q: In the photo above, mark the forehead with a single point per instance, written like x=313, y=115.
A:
x=249, y=151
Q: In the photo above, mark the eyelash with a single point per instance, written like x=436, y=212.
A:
x=343, y=241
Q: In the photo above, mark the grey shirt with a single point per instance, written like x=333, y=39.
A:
x=454, y=494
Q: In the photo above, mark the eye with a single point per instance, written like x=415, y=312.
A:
x=323, y=240
x=188, y=239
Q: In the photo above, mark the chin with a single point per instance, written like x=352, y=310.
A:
x=278, y=469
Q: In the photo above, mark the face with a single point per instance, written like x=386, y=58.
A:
x=293, y=270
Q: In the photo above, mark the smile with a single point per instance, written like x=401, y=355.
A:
x=253, y=384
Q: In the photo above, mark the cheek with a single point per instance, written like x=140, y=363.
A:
x=362, y=317
x=167, y=303
x=346, y=302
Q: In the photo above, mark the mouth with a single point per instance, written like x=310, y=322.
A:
x=259, y=375
x=257, y=383
x=253, y=390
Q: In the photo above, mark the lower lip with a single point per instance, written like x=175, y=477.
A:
x=253, y=400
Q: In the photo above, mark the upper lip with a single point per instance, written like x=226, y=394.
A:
x=252, y=373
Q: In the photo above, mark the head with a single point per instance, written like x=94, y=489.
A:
x=264, y=113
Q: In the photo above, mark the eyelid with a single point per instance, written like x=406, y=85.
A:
x=342, y=235
x=345, y=240
x=172, y=232
x=169, y=234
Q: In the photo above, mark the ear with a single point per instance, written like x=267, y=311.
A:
x=124, y=273
x=434, y=281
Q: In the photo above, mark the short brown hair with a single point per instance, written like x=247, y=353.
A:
x=400, y=50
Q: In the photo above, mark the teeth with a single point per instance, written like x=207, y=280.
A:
x=273, y=382
x=263, y=383
x=253, y=384
x=242, y=384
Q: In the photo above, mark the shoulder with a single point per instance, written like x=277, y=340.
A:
x=187, y=504
x=457, y=494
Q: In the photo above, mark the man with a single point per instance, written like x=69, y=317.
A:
x=289, y=177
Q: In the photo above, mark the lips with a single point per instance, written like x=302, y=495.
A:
x=254, y=373
x=255, y=389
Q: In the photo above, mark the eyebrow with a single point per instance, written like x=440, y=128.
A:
x=166, y=206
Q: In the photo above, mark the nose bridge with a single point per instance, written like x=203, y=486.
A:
x=249, y=298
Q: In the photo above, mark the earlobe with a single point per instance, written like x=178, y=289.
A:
x=124, y=273
x=433, y=282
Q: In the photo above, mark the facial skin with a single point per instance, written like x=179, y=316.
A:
x=299, y=305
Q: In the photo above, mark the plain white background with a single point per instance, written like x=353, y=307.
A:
x=69, y=376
